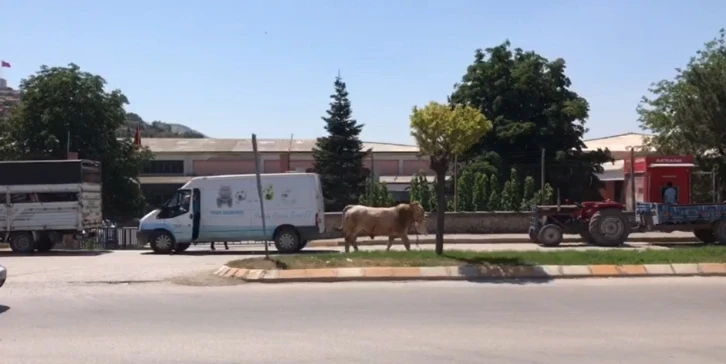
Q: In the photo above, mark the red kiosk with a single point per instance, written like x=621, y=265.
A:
x=654, y=175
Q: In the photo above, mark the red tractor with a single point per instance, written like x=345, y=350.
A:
x=599, y=223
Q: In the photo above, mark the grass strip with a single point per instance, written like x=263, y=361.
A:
x=427, y=258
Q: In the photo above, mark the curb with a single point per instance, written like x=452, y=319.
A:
x=468, y=273
x=448, y=241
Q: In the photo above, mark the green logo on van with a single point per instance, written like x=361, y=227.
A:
x=269, y=193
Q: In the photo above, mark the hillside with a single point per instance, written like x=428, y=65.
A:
x=155, y=129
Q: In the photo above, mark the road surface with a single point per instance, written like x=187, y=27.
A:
x=566, y=322
x=142, y=265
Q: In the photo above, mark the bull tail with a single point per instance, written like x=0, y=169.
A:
x=347, y=207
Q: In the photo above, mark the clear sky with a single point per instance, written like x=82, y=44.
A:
x=231, y=68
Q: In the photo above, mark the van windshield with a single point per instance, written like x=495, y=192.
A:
x=180, y=199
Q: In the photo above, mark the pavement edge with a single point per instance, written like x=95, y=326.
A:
x=471, y=273
x=457, y=241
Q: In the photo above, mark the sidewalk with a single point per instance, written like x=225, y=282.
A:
x=652, y=237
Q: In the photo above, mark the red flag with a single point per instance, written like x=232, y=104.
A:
x=137, y=137
x=4, y=64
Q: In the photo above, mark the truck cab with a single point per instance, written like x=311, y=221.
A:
x=175, y=222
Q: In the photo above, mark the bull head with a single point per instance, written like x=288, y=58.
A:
x=420, y=217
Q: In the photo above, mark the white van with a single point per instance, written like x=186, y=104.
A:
x=227, y=208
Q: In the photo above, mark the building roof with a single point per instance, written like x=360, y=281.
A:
x=620, y=142
x=213, y=145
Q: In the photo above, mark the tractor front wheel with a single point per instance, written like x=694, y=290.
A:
x=609, y=227
x=550, y=235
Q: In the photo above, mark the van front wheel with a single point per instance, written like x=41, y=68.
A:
x=287, y=240
x=162, y=242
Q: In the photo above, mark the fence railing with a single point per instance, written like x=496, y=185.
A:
x=125, y=238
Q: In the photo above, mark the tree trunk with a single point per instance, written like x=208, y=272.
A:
x=441, y=210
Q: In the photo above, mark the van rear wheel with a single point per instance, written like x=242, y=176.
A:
x=287, y=240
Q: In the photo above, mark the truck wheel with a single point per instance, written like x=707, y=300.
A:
x=705, y=235
x=44, y=243
x=182, y=247
x=550, y=235
x=719, y=231
x=609, y=227
x=22, y=242
x=287, y=240
x=162, y=242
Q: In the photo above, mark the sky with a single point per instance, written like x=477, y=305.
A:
x=230, y=68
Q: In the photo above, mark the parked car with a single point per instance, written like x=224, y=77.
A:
x=3, y=275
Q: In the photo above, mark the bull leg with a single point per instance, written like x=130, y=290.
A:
x=225, y=246
x=390, y=242
x=347, y=243
x=212, y=246
x=354, y=241
x=406, y=243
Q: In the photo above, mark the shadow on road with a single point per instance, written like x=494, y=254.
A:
x=242, y=252
x=56, y=253
x=3, y=309
x=497, y=270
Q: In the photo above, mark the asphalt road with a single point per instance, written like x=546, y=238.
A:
x=585, y=321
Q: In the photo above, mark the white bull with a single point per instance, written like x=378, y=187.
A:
x=394, y=222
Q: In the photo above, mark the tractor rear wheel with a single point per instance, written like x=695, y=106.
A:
x=609, y=227
x=705, y=235
x=550, y=235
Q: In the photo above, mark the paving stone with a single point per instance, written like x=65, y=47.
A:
x=604, y=270
x=685, y=269
x=575, y=270
x=632, y=270
x=659, y=269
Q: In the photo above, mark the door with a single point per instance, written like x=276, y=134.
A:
x=180, y=217
x=196, y=212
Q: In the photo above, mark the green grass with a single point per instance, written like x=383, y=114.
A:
x=427, y=258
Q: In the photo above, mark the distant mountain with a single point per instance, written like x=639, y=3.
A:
x=155, y=129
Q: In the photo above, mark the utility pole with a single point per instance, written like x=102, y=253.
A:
x=632, y=179
x=456, y=186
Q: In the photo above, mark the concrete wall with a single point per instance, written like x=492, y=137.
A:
x=459, y=223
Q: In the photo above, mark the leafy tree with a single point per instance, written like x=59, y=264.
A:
x=426, y=191
x=481, y=192
x=495, y=200
x=528, y=194
x=531, y=106
x=513, y=199
x=687, y=113
x=339, y=156
x=465, y=188
x=442, y=132
x=376, y=194
x=544, y=196
x=506, y=198
x=62, y=102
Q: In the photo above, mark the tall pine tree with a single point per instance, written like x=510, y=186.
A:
x=339, y=156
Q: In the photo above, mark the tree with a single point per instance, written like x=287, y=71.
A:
x=376, y=194
x=481, y=192
x=442, y=132
x=426, y=192
x=495, y=200
x=528, y=194
x=511, y=199
x=687, y=113
x=339, y=156
x=64, y=108
x=465, y=188
x=531, y=106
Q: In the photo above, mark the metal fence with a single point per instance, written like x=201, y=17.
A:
x=125, y=238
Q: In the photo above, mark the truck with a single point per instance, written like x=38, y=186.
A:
x=46, y=200
x=227, y=208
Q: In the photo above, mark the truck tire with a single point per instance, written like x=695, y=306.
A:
x=22, y=242
x=301, y=246
x=161, y=242
x=705, y=235
x=550, y=235
x=609, y=227
x=287, y=240
x=44, y=243
x=719, y=231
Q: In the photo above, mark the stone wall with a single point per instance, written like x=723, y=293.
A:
x=458, y=223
